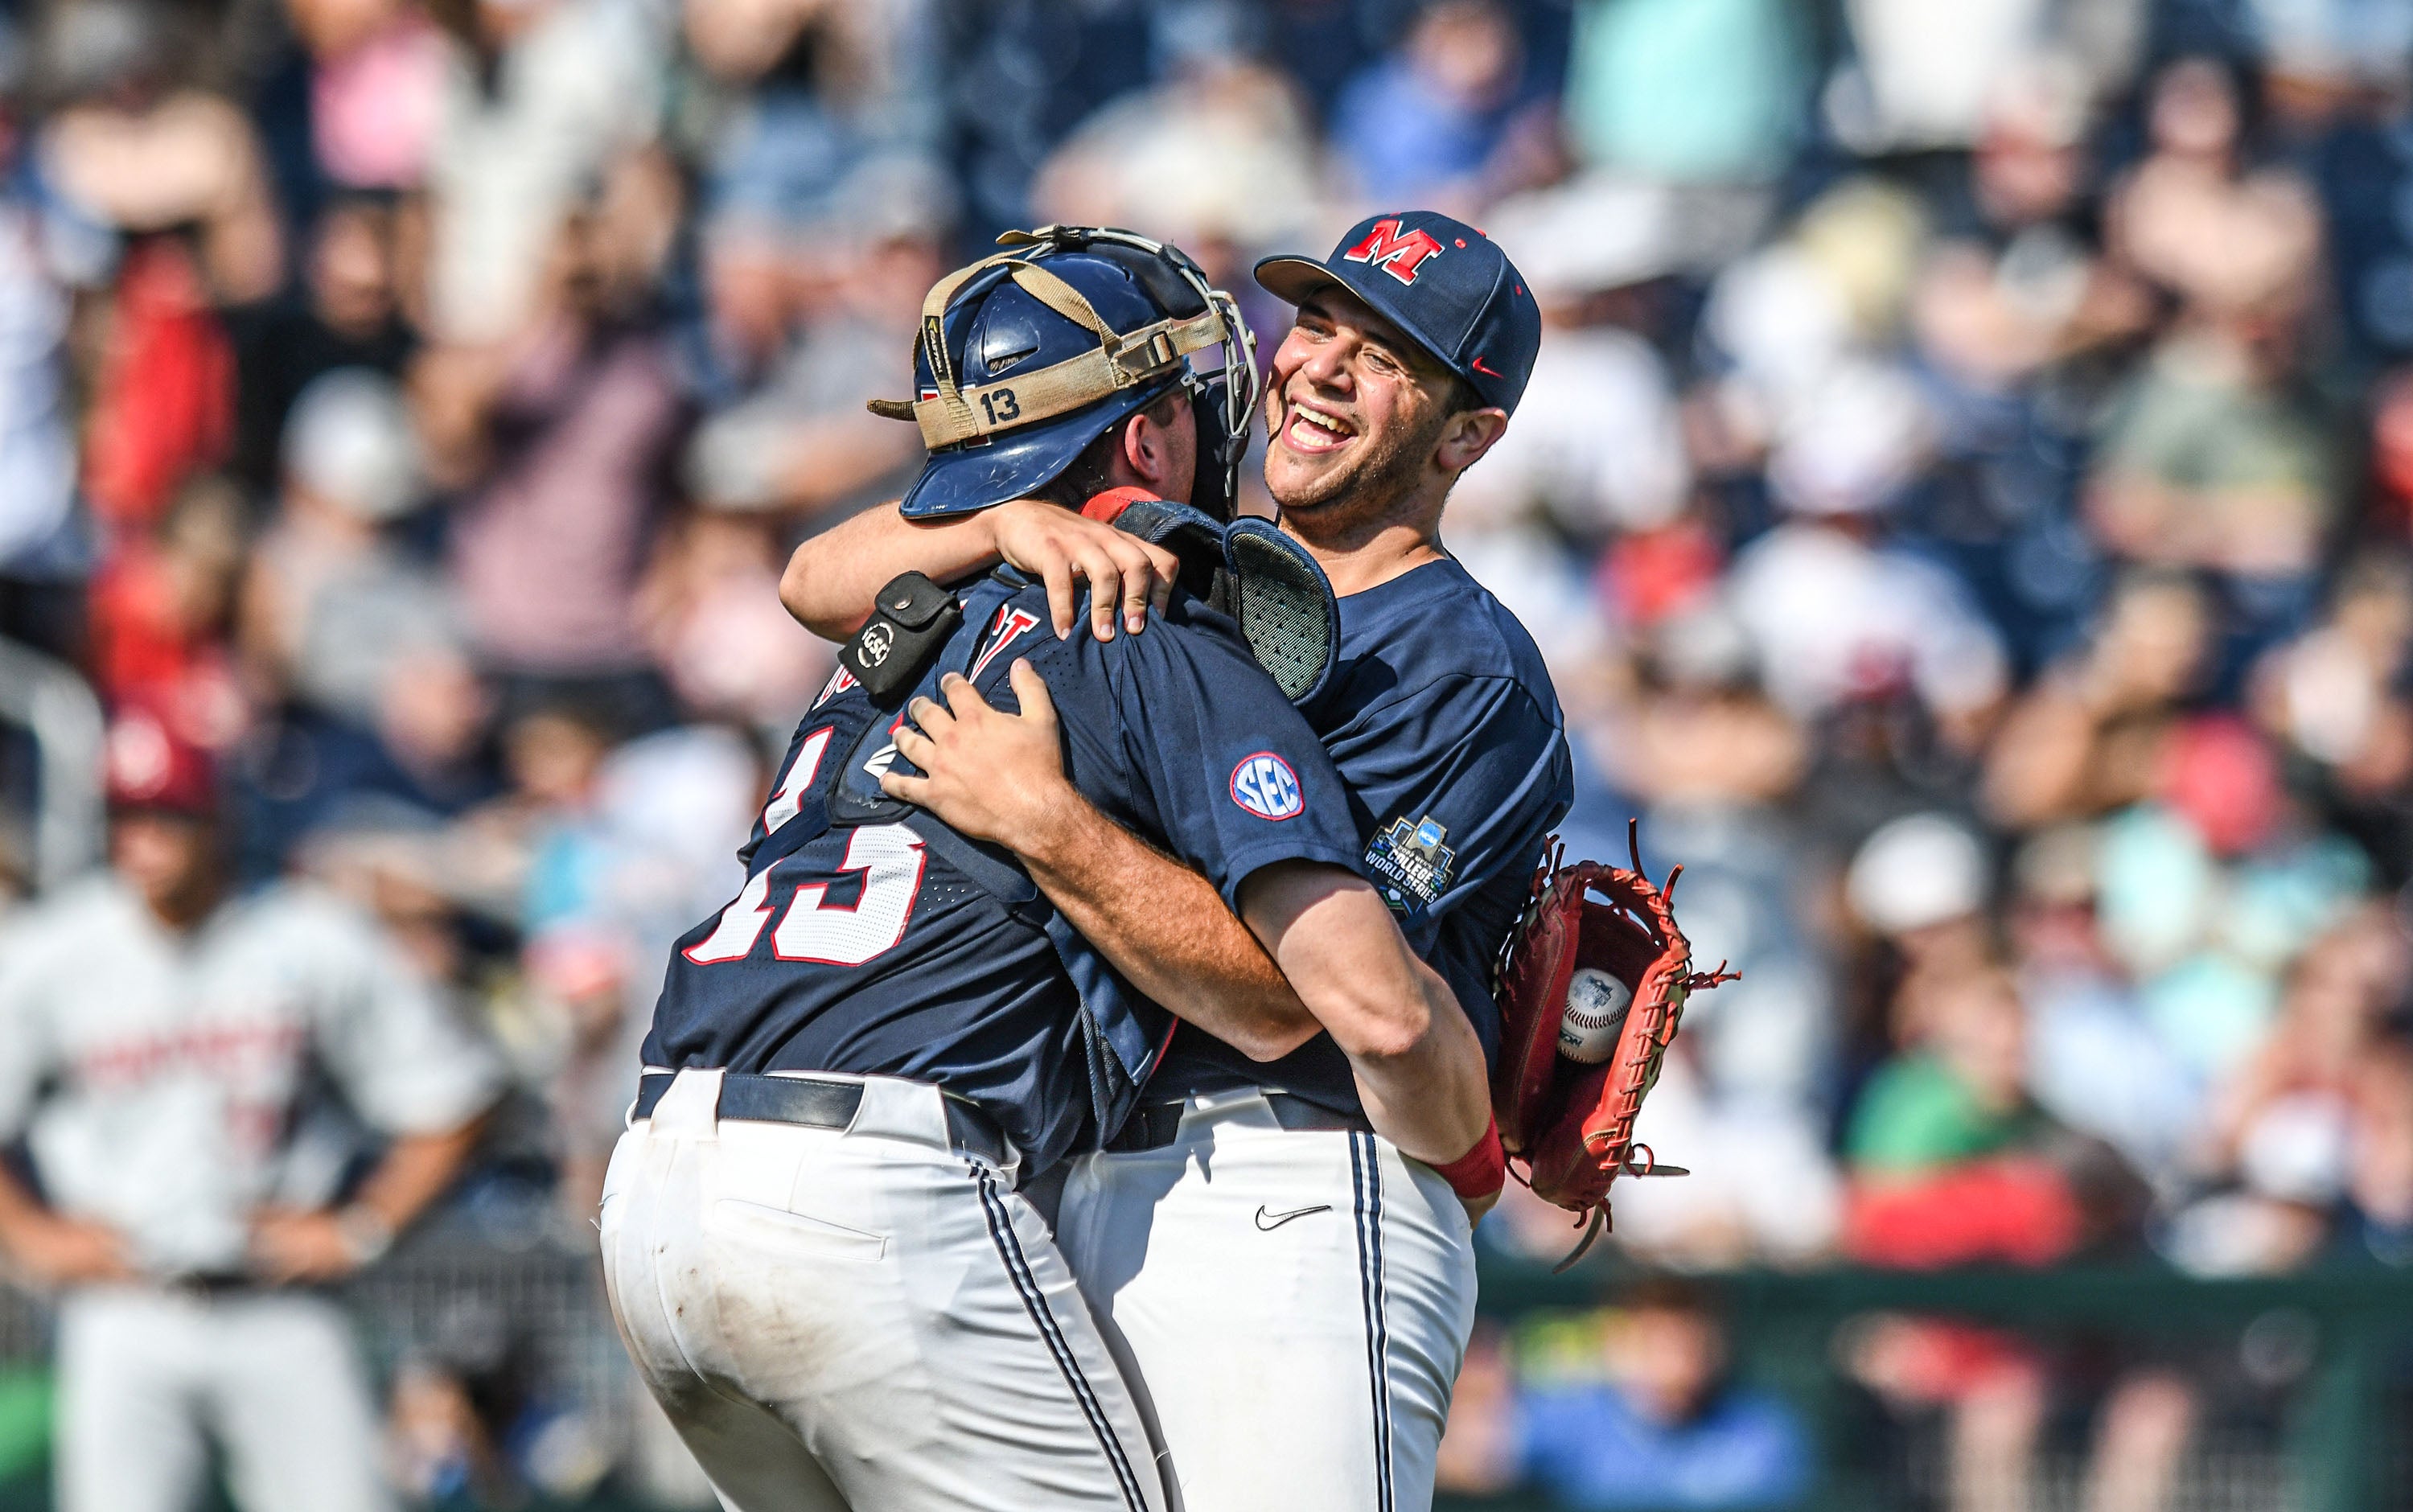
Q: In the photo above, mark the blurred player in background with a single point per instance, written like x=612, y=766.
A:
x=181, y=1064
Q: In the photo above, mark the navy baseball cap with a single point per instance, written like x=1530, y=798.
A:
x=1446, y=284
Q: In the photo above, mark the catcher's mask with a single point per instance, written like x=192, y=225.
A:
x=1029, y=355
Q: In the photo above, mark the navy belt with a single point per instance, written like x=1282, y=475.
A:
x=1155, y=1125
x=220, y=1286
x=813, y=1103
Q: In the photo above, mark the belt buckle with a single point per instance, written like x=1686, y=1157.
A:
x=210, y=1286
x=1151, y=1126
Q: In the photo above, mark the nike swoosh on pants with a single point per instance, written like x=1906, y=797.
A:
x=1280, y=1219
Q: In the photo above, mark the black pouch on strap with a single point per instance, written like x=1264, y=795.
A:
x=911, y=625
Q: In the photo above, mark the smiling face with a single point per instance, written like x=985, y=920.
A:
x=1352, y=409
x=1361, y=422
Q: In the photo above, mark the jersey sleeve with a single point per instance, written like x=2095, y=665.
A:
x=408, y=1066
x=1237, y=778
x=1463, y=780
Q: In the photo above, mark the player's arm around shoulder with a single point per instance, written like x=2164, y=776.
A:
x=832, y=578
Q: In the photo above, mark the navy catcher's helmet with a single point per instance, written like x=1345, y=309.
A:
x=1028, y=356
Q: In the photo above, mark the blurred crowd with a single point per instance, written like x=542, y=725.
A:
x=1965, y=496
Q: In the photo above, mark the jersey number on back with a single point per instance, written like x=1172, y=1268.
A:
x=891, y=859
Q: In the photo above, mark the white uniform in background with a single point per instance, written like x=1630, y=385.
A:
x=168, y=1086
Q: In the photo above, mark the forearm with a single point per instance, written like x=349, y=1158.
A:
x=414, y=1173
x=19, y=1210
x=833, y=577
x=53, y=1250
x=1433, y=1100
x=1418, y=1065
x=1166, y=929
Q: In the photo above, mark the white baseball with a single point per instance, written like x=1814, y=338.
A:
x=1596, y=1006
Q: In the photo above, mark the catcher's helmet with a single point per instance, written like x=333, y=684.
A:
x=1028, y=356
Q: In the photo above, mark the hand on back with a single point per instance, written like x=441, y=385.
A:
x=1064, y=549
x=988, y=774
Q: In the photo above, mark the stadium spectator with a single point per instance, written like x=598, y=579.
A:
x=1461, y=60
x=562, y=441
x=329, y=605
x=53, y=253
x=350, y=314
x=1656, y=1422
x=540, y=100
x=800, y=340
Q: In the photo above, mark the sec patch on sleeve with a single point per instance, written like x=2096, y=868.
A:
x=1265, y=785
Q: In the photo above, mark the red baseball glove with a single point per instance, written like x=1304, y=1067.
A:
x=1572, y=1125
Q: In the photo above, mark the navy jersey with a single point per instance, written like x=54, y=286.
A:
x=1447, y=734
x=870, y=939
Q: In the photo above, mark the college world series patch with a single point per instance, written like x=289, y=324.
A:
x=1410, y=864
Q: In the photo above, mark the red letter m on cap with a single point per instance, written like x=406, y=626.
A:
x=1397, y=255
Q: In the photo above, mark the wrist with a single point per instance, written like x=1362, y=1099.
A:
x=365, y=1233
x=1050, y=828
x=1015, y=532
x=983, y=526
x=1480, y=1173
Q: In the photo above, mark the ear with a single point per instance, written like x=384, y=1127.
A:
x=1148, y=452
x=1466, y=437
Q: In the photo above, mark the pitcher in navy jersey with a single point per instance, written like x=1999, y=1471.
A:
x=1296, y=1300
x=813, y=1236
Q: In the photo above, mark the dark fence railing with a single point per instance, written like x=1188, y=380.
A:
x=2306, y=1380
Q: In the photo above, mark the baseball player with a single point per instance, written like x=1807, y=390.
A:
x=166, y=1050
x=1295, y=1299
x=812, y=1233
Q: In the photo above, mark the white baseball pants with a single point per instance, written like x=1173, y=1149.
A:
x=861, y=1319
x=147, y=1379
x=1295, y=1306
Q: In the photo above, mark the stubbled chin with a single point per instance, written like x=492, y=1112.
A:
x=1298, y=481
